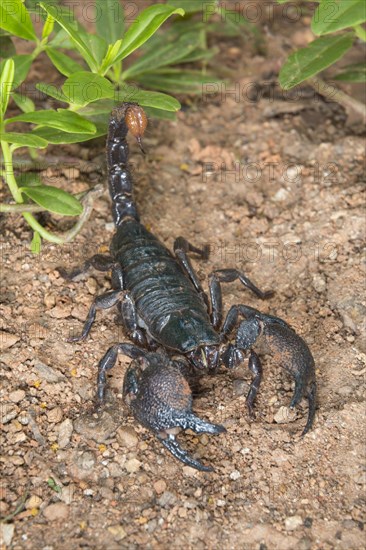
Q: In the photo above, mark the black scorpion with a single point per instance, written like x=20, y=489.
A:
x=166, y=314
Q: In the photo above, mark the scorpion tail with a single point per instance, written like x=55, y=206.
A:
x=126, y=117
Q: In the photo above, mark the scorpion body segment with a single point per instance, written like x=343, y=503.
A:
x=166, y=313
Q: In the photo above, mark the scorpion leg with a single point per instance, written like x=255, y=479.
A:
x=104, y=301
x=109, y=360
x=100, y=262
x=130, y=321
x=228, y=276
x=160, y=398
x=181, y=249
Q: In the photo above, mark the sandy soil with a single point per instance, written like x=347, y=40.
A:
x=275, y=187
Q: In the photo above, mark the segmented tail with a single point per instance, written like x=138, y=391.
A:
x=126, y=117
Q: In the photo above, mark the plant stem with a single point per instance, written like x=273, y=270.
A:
x=334, y=94
x=19, y=208
x=8, y=174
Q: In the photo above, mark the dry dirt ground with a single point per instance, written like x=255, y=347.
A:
x=274, y=186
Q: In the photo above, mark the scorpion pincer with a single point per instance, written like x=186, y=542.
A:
x=168, y=317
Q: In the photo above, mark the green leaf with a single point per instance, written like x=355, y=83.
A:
x=110, y=56
x=24, y=103
x=29, y=179
x=15, y=18
x=55, y=136
x=64, y=120
x=52, y=91
x=24, y=140
x=166, y=54
x=63, y=63
x=73, y=29
x=97, y=46
x=62, y=40
x=109, y=20
x=317, y=56
x=84, y=87
x=6, y=82
x=335, y=15
x=352, y=73
x=48, y=26
x=22, y=65
x=177, y=81
x=145, y=26
x=36, y=243
x=53, y=199
x=7, y=47
x=158, y=113
x=148, y=99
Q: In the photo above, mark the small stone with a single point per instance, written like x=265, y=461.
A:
x=319, y=283
x=284, y=415
x=64, y=434
x=99, y=429
x=60, y=312
x=83, y=466
x=67, y=494
x=19, y=437
x=240, y=387
x=293, y=522
x=33, y=502
x=167, y=499
x=48, y=373
x=235, y=475
x=117, y=532
x=221, y=503
x=7, y=412
x=133, y=465
x=6, y=534
x=127, y=437
x=7, y=340
x=16, y=396
x=281, y=195
x=49, y=300
x=56, y=511
x=54, y=416
x=160, y=486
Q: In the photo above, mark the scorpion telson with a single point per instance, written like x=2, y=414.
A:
x=167, y=315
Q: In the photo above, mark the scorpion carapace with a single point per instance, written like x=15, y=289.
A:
x=167, y=315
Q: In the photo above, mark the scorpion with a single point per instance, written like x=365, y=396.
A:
x=166, y=314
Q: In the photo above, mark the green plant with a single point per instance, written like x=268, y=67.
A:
x=87, y=92
x=338, y=23
x=94, y=82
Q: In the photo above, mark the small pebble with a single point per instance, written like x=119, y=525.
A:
x=56, y=511
x=118, y=532
x=65, y=433
x=16, y=396
x=6, y=534
x=284, y=415
x=54, y=416
x=167, y=499
x=293, y=522
x=47, y=373
x=235, y=475
x=133, y=465
x=160, y=486
x=127, y=437
x=7, y=340
x=33, y=502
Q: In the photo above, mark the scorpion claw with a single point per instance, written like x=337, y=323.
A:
x=173, y=447
x=160, y=398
